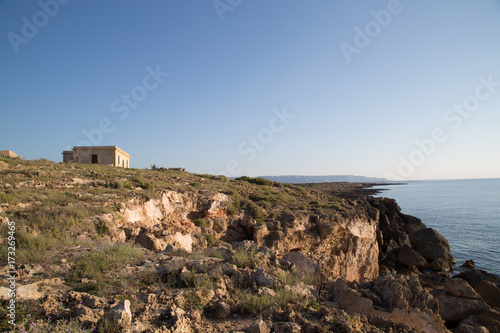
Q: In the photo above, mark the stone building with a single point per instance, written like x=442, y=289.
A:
x=106, y=155
x=9, y=154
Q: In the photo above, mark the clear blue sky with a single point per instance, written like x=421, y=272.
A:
x=356, y=83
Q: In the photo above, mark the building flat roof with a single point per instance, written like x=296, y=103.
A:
x=102, y=148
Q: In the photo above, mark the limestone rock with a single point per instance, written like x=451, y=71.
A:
x=287, y=328
x=409, y=257
x=490, y=292
x=460, y=288
x=150, y=242
x=431, y=251
x=474, y=276
x=427, y=235
x=302, y=263
x=440, y=264
x=455, y=309
x=220, y=224
x=119, y=316
x=469, y=264
x=262, y=279
x=259, y=326
x=259, y=232
x=471, y=328
x=222, y=310
x=84, y=315
x=421, y=320
x=36, y=290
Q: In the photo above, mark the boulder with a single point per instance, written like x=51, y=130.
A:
x=490, y=292
x=262, y=279
x=474, y=276
x=440, y=264
x=119, y=316
x=222, y=310
x=466, y=327
x=431, y=251
x=490, y=320
x=469, y=264
x=259, y=326
x=421, y=320
x=220, y=224
x=150, y=242
x=460, y=288
x=259, y=232
x=427, y=235
x=399, y=237
x=84, y=315
x=410, y=223
x=302, y=263
x=455, y=309
x=409, y=257
x=288, y=327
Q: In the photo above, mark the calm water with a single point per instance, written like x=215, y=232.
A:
x=465, y=212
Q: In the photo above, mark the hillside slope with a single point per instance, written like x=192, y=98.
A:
x=114, y=249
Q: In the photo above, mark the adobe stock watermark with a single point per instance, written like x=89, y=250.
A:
x=11, y=262
x=453, y=117
x=223, y=6
x=249, y=148
x=373, y=28
x=31, y=26
x=123, y=105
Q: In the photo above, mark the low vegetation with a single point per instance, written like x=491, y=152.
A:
x=58, y=210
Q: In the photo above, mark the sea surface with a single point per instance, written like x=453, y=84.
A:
x=465, y=212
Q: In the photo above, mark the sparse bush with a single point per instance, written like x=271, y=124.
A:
x=243, y=258
x=173, y=280
x=103, y=259
x=255, y=303
x=118, y=185
x=287, y=277
x=211, y=240
x=193, y=301
x=101, y=228
x=287, y=296
x=260, y=181
x=201, y=222
x=143, y=183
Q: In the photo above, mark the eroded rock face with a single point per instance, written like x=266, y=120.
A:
x=455, y=309
x=346, y=248
x=405, y=242
x=119, y=316
x=409, y=304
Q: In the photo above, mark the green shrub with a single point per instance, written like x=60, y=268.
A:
x=173, y=280
x=201, y=222
x=103, y=259
x=260, y=181
x=286, y=296
x=118, y=185
x=211, y=240
x=101, y=228
x=143, y=183
x=243, y=258
x=255, y=303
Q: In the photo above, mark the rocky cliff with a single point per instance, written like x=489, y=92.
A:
x=166, y=251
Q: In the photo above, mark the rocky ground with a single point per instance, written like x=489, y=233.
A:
x=125, y=250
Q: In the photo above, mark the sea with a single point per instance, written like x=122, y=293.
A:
x=465, y=212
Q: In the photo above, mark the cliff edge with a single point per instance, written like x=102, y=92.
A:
x=110, y=249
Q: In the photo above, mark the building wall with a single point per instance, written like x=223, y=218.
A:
x=67, y=156
x=8, y=153
x=122, y=160
x=104, y=156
